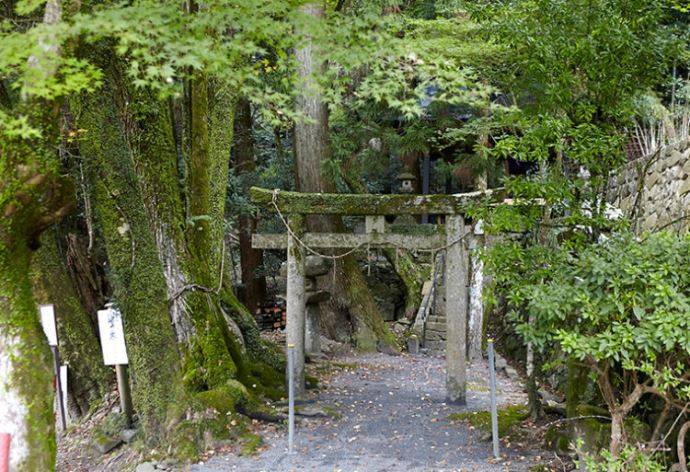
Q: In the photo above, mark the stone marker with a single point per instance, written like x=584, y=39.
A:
x=413, y=344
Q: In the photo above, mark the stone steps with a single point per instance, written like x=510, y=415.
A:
x=435, y=327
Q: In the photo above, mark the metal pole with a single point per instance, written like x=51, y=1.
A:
x=494, y=412
x=125, y=393
x=61, y=404
x=291, y=396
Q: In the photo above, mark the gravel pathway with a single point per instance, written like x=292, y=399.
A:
x=393, y=418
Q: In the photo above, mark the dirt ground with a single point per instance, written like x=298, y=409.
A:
x=371, y=413
x=388, y=413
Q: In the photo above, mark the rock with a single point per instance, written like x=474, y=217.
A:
x=558, y=438
x=435, y=336
x=387, y=349
x=399, y=328
x=440, y=327
x=168, y=464
x=106, y=444
x=127, y=435
x=146, y=467
x=549, y=397
x=650, y=222
x=315, y=265
x=413, y=344
x=685, y=188
x=512, y=373
x=652, y=179
x=674, y=158
x=500, y=362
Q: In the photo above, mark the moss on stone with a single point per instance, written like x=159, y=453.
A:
x=558, y=438
x=225, y=398
x=250, y=444
x=365, y=204
x=508, y=418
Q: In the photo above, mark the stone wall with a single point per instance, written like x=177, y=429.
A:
x=655, y=191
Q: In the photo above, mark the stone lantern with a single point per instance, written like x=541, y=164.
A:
x=406, y=180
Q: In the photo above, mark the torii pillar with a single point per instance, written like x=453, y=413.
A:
x=456, y=310
x=296, y=302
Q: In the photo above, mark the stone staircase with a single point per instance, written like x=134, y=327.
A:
x=430, y=323
x=434, y=334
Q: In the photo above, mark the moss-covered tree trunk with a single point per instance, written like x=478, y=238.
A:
x=32, y=197
x=351, y=300
x=77, y=334
x=161, y=206
x=135, y=267
x=26, y=392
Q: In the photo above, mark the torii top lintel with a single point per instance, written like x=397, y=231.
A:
x=370, y=204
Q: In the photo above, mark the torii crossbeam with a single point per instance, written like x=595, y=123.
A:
x=374, y=208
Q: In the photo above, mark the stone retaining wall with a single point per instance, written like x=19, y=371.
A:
x=655, y=191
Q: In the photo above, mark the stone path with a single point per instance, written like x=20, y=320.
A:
x=393, y=418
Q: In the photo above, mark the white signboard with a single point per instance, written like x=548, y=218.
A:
x=112, y=337
x=48, y=323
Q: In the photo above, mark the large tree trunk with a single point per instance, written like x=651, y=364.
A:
x=77, y=335
x=136, y=271
x=254, y=287
x=351, y=300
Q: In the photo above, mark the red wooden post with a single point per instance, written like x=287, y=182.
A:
x=5, y=439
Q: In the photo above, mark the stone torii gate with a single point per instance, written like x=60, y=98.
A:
x=374, y=208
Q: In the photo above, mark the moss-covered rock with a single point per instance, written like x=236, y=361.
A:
x=226, y=398
x=250, y=443
x=558, y=438
x=509, y=418
x=590, y=431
